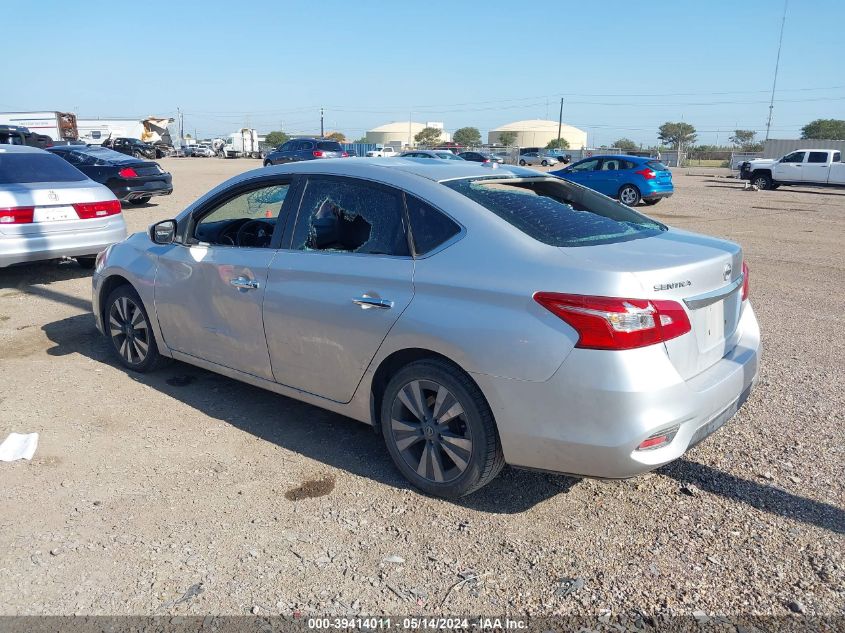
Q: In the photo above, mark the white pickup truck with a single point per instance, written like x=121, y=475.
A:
x=380, y=151
x=802, y=167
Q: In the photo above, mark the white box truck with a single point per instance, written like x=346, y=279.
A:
x=241, y=144
x=59, y=126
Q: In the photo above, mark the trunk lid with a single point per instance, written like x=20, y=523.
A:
x=53, y=204
x=700, y=273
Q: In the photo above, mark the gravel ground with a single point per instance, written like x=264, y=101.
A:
x=183, y=492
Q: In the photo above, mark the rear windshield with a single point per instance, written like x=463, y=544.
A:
x=15, y=168
x=105, y=154
x=556, y=213
x=656, y=165
x=329, y=146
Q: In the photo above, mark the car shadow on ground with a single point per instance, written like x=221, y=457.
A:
x=342, y=443
x=321, y=435
x=26, y=276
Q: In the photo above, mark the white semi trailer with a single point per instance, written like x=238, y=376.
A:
x=59, y=126
x=241, y=144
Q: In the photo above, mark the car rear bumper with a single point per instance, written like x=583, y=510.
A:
x=157, y=187
x=656, y=195
x=590, y=417
x=17, y=249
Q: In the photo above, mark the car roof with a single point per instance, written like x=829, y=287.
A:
x=21, y=149
x=433, y=169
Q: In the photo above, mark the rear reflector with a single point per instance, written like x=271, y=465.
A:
x=744, y=281
x=661, y=438
x=612, y=323
x=90, y=210
x=127, y=172
x=17, y=215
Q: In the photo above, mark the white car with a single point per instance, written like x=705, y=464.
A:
x=380, y=151
x=50, y=209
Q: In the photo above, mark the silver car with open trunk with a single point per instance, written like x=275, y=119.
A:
x=475, y=315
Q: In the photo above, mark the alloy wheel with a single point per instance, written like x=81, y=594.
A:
x=628, y=196
x=429, y=428
x=129, y=330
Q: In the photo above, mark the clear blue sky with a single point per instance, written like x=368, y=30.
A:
x=623, y=67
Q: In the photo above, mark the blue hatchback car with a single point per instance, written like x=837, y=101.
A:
x=627, y=178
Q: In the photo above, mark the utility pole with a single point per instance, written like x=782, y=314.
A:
x=322, y=131
x=777, y=65
x=559, y=122
x=181, y=127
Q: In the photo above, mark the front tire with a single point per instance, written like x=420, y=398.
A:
x=762, y=181
x=629, y=195
x=521, y=163
x=439, y=429
x=545, y=163
x=130, y=332
x=137, y=154
x=267, y=163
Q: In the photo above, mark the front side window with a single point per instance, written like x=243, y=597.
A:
x=587, y=165
x=248, y=219
x=794, y=157
x=817, y=157
x=350, y=216
x=557, y=213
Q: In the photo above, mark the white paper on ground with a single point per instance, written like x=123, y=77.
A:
x=18, y=446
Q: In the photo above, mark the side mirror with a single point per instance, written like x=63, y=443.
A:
x=163, y=232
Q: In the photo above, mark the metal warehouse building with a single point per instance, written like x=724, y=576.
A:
x=538, y=133
x=399, y=132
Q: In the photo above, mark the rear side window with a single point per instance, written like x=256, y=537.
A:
x=555, y=213
x=656, y=165
x=45, y=167
x=351, y=216
x=329, y=146
x=817, y=157
x=429, y=227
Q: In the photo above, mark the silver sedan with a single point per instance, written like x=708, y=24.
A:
x=476, y=315
x=50, y=209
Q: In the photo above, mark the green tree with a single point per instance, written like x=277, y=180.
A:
x=743, y=138
x=677, y=134
x=276, y=138
x=337, y=136
x=558, y=144
x=363, y=139
x=428, y=136
x=828, y=129
x=625, y=144
x=468, y=136
x=507, y=138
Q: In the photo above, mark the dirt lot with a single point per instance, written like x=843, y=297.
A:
x=183, y=492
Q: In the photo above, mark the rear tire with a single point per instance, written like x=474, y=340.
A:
x=653, y=201
x=629, y=195
x=521, y=163
x=762, y=181
x=139, y=201
x=439, y=429
x=545, y=163
x=267, y=163
x=87, y=262
x=130, y=331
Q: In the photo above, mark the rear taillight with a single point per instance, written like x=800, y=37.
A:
x=127, y=172
x=344, y=155
x=17, y=215
x=90, y=210
x=616, y=324
x=744, y=281
x=317, y=153
x=646, y=173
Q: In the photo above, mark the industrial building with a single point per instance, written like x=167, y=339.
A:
x=538, y=133
x=402, y=133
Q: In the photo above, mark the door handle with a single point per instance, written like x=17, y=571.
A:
x=244, y=284
x=367, y=302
